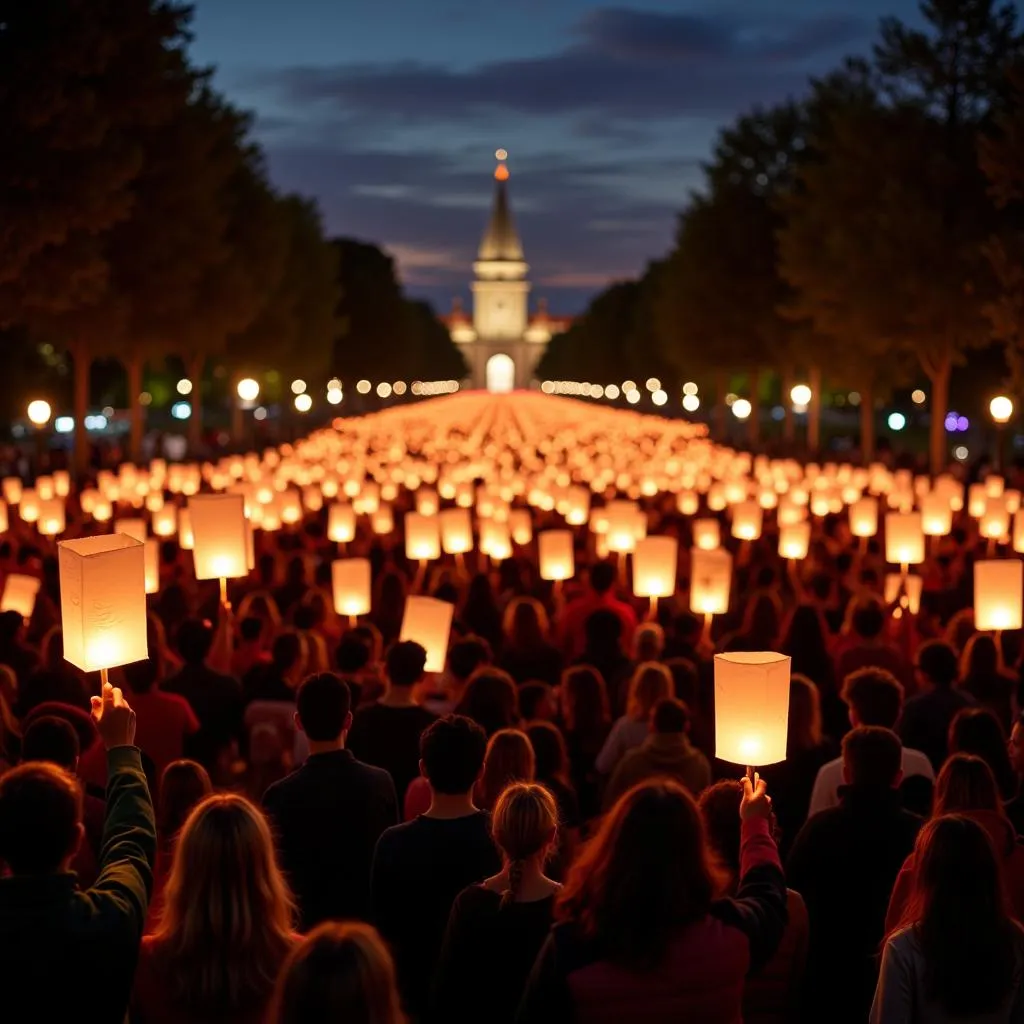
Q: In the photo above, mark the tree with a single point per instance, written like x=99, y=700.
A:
x=433, y=356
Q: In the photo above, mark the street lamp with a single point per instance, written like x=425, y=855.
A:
x=39, y=412
x=741, y=409
x=248, y=389
x=1001, y=410
x=801, y=396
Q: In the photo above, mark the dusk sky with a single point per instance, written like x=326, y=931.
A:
x=389, y=113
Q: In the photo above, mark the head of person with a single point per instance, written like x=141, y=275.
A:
x=324, y=708
x=936, y=664
x=452, y=751
x=288, y=653
x=585, y=700
x=526, y=625
x=405, y=664
x=40, y=819
x=762, y=618
x=981, y=657
x=645, y=874
x=250, y=631
x=12, y=626
x=670, y=717
x=872, y=758
x=977, y=731
x=465, y=656
x=262, y=606
x=524, y=824
x=491, y=699
x=874, y=697
x=51, y=739
x=960, y=918
x=651, y=682
x=868, y=618
x=226, y=925
x=965, y=784
x=52, y=649
x=804, y=731
x=509, y=758
x=648, y=642
x=1015, y=745
x=536, y=702
x=195, y=638
x=687, y=628
x=602, y=577
x=720, y=809
x=341, y=971
x=603, y=632
x=353, y=654
x=183, y=784
x=372, y=637
x=551, y=758
x=806, y=630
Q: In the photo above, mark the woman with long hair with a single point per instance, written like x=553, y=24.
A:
x=959, y=954
x=640, y=934
x=651, y=682
x=977, y=731
x=339, y=972
x=967, y=786
x=509, y=759
x=586, y=720
x=526, y=653
x=226, y=926
x=983, y=675
x=496, y=928
x=491, y=700
x=480, y=613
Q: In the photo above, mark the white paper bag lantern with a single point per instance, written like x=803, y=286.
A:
x=341, y=523
x=688, y=503
x=707, y=534
x=422, y=537
x=1018, y=531
x=914, y=587
x=427, y=501
x=994, y=523
x=520, y=526
x=557, y=557
x=794, y=540
x=864, y=517
x=61, y=483
x=428, y=622
x=751, y=707
x=456, y=531
x=152, y=566
x=20, y=595
x=904, y=538
x=51, y=517
x=382, y=522
x=4, y=517
x=977, y=500
x=710, y=581
x=936, y=515
x=45, y=488
x=655, y=562
x=495, y=540
x=998, y=591
x=103, y=601
x=165, y=521
x=13, y=489
x=219, y=547
x=28, y=509
x=351, y=582
x=577, y=506
x=132, y=528
x=746, y=520
x=185, y=535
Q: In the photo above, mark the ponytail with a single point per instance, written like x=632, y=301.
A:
x=524, y=823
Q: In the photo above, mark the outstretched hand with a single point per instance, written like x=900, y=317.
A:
x=115, y=720
x=756, y=802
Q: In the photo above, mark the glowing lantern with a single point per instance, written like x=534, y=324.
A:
x=51, y=517
x=351, y=581
x=904, y=538
x=520, y=526
x=577, y=506
x=746, y=520
x=219, y=547
x=707, y=534
x=998, y=589
x=164, y=521
x=20, y=595
x=655, y=562
x=456, y=531
x=914, y=586
x=185, y=536
x=383, y=520
x=1018, y=531
x=994, y=523
x=936, y=515
x=61, y=483
x=4, y=518
x=622, y=526
x=12, y=489
x=102, y=510
x=152, y=566
x=495, y=540
x=794, y=540
x=103, y=601
x=341, y=523
x=864, y=517
x=688, y=503
x=422, y=537
x=132, y=528
x=710, y=581
x=44, y=488
x=29, y=507
x=428, y=622
x=427, y=502
x=751, y=707
x=557, y=557
x=977, y=500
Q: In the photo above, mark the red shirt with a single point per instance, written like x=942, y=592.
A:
x=574, y=621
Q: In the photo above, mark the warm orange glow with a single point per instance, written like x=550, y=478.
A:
x=501, y=172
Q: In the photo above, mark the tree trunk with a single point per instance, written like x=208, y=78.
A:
x=194, y=366
x=867, y=425
x=789, y=423
x=814, y=411
x=940, y=406
x=135, y=365
x=721, y=409
x=82, y=359
x=754, y=423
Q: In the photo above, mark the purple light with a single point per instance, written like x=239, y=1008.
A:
x=951, y=423
x=962, y=423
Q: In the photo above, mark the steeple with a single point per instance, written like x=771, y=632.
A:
x=501, y=241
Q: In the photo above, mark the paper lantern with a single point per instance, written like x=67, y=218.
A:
x=103, y=601
x=864, y=517
x=998, y=590
x=1018, y=531
x=936, y=515
x=61, y=483
x=994, y=523
x=707, y=534
x=794, y=540
x=185, y=536
x=341, y=523
x=20, y=595
x=51, y=517
x=152, y=565
x=520, y=526
x=4, y=517
x=383, y=520
x=12, y=489
x=622, y=526
x=577, y=506
x=164, y=521
x=655, y=562
x=28, y=509
x=710, y=581
x=427, y=502
x=751, y=707
x=218, y=532
x=456, y=531
x=102, y=510
x=914, y=586
x=495, y=540
x=290, y=507
x=350, y=578
x=422, y=537
x=557, y=557
x=45, y=488
x=904, y=538
x=428, y=622
x=132, y=528
x=687, y=502
x=977, y=500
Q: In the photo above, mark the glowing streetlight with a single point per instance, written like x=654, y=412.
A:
x=184, y=386
x=39, y=412
x=303, y=402
x=741, y=409
x=248, y=389
x=691, y=403
x=298, y=386
x=1001, y=409
x=801, y=395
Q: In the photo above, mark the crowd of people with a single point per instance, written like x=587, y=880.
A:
x=281, y=817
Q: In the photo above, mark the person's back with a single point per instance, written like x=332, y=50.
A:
x=421, y=866
x=67, y=954
x=330, y=812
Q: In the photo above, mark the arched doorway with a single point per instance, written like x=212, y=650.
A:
x=500, y=374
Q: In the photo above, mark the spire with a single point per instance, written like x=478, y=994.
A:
x=500, y=241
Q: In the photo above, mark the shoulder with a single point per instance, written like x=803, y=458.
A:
x=475, y=900
x=903, y=945
x=372, y=774
x=830, y=769
x=917, y=763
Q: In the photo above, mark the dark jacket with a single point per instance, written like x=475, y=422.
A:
x=702, y=974
x=327, y=818
x=70, y=955
x=668, y=755
x=844, y=863
x=924, y=724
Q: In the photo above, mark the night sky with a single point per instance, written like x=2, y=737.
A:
x=389, y=112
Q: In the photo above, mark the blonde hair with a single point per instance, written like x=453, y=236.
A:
x=524, y=823
x=226, y=925
x=651, y=682
x=509, y=758
x=338, y=972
